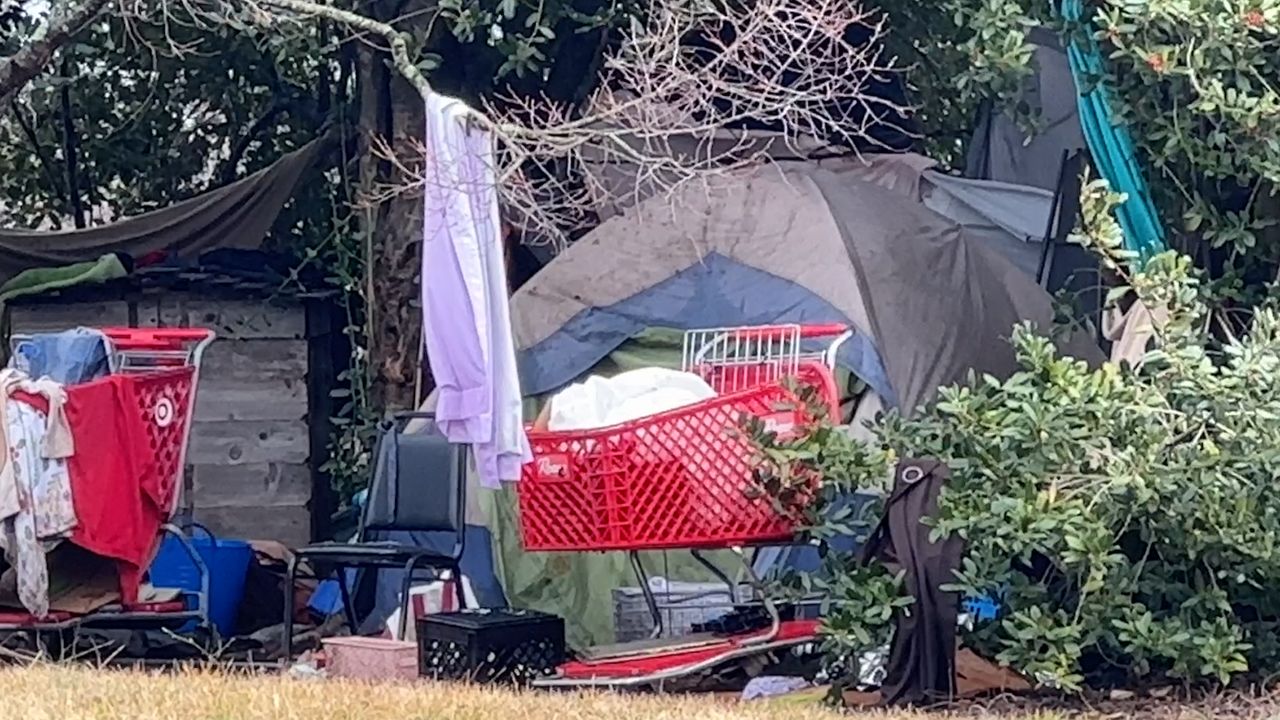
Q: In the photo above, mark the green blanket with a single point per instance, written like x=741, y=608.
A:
x=40, y=280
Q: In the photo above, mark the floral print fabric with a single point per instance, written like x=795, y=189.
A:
x=45, y=511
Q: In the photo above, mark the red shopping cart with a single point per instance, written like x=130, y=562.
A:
x=683, y=479
x=131, y=430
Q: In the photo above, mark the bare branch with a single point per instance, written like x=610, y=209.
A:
x=677, y=102
x=693, y=90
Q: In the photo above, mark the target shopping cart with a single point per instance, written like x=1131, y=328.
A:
x=683, y=480
x=131, y=430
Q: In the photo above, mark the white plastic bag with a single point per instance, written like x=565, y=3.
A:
x=601, y=402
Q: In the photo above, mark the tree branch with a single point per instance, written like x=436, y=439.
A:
x=64, y=23
x=70, y=148
x=689, y=94
x=397, y=42
x=46, y=163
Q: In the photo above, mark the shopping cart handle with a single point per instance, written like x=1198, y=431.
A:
x=154, y=338
x=807, y=332
x=823, y=330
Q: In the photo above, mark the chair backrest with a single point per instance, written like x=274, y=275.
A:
x=418, y=482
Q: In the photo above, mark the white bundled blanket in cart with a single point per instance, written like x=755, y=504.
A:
x=599, y=402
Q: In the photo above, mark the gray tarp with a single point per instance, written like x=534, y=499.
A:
x=939, y=302
x=1003, y=150
x=1011, y=218
x=233, y=216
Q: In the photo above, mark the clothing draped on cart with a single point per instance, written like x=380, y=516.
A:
x=921, y=665
x=39, y=483
x=58, y=442
x=119, y=515
x=69, y=357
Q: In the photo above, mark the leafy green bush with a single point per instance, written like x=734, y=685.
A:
x=1197, y=84
x=1129, y=519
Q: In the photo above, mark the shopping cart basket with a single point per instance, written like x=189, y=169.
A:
x=683, y=478
x=143, y=411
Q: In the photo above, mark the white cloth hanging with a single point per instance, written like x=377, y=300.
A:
x=465, y=311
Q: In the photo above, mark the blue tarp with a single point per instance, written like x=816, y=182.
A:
x=718, y=292
x=1109, y=142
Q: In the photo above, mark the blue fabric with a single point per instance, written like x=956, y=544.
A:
x=1109, y=143
x=327, y=599
x=718, y=292
x=69, y=357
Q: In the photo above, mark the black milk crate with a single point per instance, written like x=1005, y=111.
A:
x=490, y=646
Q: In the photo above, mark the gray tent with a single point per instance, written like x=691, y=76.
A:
x=789, y=243
x=930, y=269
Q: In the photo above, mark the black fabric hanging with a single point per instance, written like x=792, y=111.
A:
x=922, y=658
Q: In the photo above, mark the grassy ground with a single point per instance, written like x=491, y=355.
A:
x=79, y=693
x=70, y=693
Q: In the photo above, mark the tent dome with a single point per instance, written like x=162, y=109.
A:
x=787, y=243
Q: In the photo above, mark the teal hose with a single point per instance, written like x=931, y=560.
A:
x=1111, y=145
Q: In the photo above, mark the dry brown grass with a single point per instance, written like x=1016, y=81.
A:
x=46, y=692
x=73, y=693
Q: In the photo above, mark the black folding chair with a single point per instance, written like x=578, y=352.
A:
x=418, y=485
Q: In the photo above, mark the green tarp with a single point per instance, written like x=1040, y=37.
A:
x=40, y=280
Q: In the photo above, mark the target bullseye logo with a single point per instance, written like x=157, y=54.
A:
x=164, y=412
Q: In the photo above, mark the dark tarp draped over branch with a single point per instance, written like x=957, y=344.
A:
x=233, y=216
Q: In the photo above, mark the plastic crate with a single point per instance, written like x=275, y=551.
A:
x=682, y=605
x=490, y=646
x=679, y=479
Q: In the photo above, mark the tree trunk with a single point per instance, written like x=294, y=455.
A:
x=392, y=108
x=71, y=148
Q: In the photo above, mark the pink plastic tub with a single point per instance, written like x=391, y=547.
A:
x=367, y=658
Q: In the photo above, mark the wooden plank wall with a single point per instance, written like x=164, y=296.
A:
x=249, y=458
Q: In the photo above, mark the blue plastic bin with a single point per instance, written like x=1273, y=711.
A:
x=228, y=565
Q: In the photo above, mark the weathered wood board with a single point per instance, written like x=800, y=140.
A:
x=25, y=319
x=252, y=485
x=253, y=380
x=233, y=319
x=244, y=442
x=289, y=525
